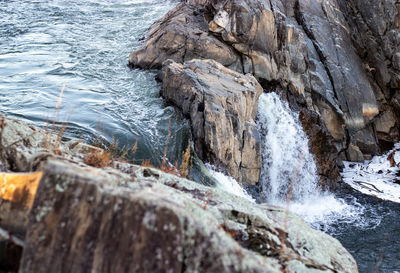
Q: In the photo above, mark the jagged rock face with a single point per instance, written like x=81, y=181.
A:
x=375, y=34
x=82, y=221
x=338, y=58
x=171, y=38
x=222, y=105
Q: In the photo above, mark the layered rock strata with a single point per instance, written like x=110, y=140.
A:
x=335, y=61
x=222, y=105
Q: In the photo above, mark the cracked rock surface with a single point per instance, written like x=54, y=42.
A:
x=222, y=105
x=157, y=222
x=128, y=218
x=336, y=61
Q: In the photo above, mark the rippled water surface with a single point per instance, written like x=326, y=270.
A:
x=85, y=45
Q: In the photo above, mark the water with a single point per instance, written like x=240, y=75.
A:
x=378, y=177
x=86, y=44
x=289, y=178
x=228, y=183
x=289, y=172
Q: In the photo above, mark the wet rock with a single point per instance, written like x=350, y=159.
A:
x=222, y=105
x=161, y=223
x=339, y=59
x=322, y=146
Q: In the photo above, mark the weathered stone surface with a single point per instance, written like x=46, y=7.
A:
x=354, y=153
x=126, y=218
x=24, y=148
x=171, y=38
x=83, y=222
x=222, y=105
x=338, y=58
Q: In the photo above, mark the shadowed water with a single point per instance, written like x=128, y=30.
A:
x=86, y=44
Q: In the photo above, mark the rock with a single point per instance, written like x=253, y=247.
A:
x=136, y=219
x=222, y=105
x=354, y=153
x=10, y=252
x=385, y=123
x=171, y=38
x=322, y=145
x=158, y=222
x=338, y=58
x=24, y=148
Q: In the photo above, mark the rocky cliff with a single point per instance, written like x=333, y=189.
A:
x=222, y=106
x=336, y=62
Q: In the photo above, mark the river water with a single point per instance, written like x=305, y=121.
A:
x=85, y=45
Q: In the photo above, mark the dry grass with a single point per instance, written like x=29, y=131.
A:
x=185, y=162
x=166, y=145
x=98, y=159
x=147, y=163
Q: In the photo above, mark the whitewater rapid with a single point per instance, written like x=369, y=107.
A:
x=289, y=174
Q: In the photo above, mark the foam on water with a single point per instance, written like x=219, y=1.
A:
x=379, y=177
x=228, y=183
x=289, y=174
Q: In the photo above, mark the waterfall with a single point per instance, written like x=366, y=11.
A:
x=288, y=166
x=289, y=172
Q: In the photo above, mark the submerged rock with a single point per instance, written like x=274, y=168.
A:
x=136, y=219
x=335, y=59
x=222, y=105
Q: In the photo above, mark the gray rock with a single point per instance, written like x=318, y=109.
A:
x=339, y=59
x=354, y=153
x=385, y=123
x=160, y=223
x=222, y=105
x=171, y=38
x=127, y=218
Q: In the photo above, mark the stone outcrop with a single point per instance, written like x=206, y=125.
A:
x=160, y=223
x=25, y=148
x=137, y=219
x=338, y=59
x=222, y=105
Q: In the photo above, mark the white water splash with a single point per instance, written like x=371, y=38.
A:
x=228, y=184
x=289, y=167
x=287, y=163
x=289, y=173
x=376, y=177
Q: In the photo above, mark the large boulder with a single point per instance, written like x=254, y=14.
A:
x=171, y=38
x=155, y=222
x=336, y=58
x=222, y=105
x=127, y=218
